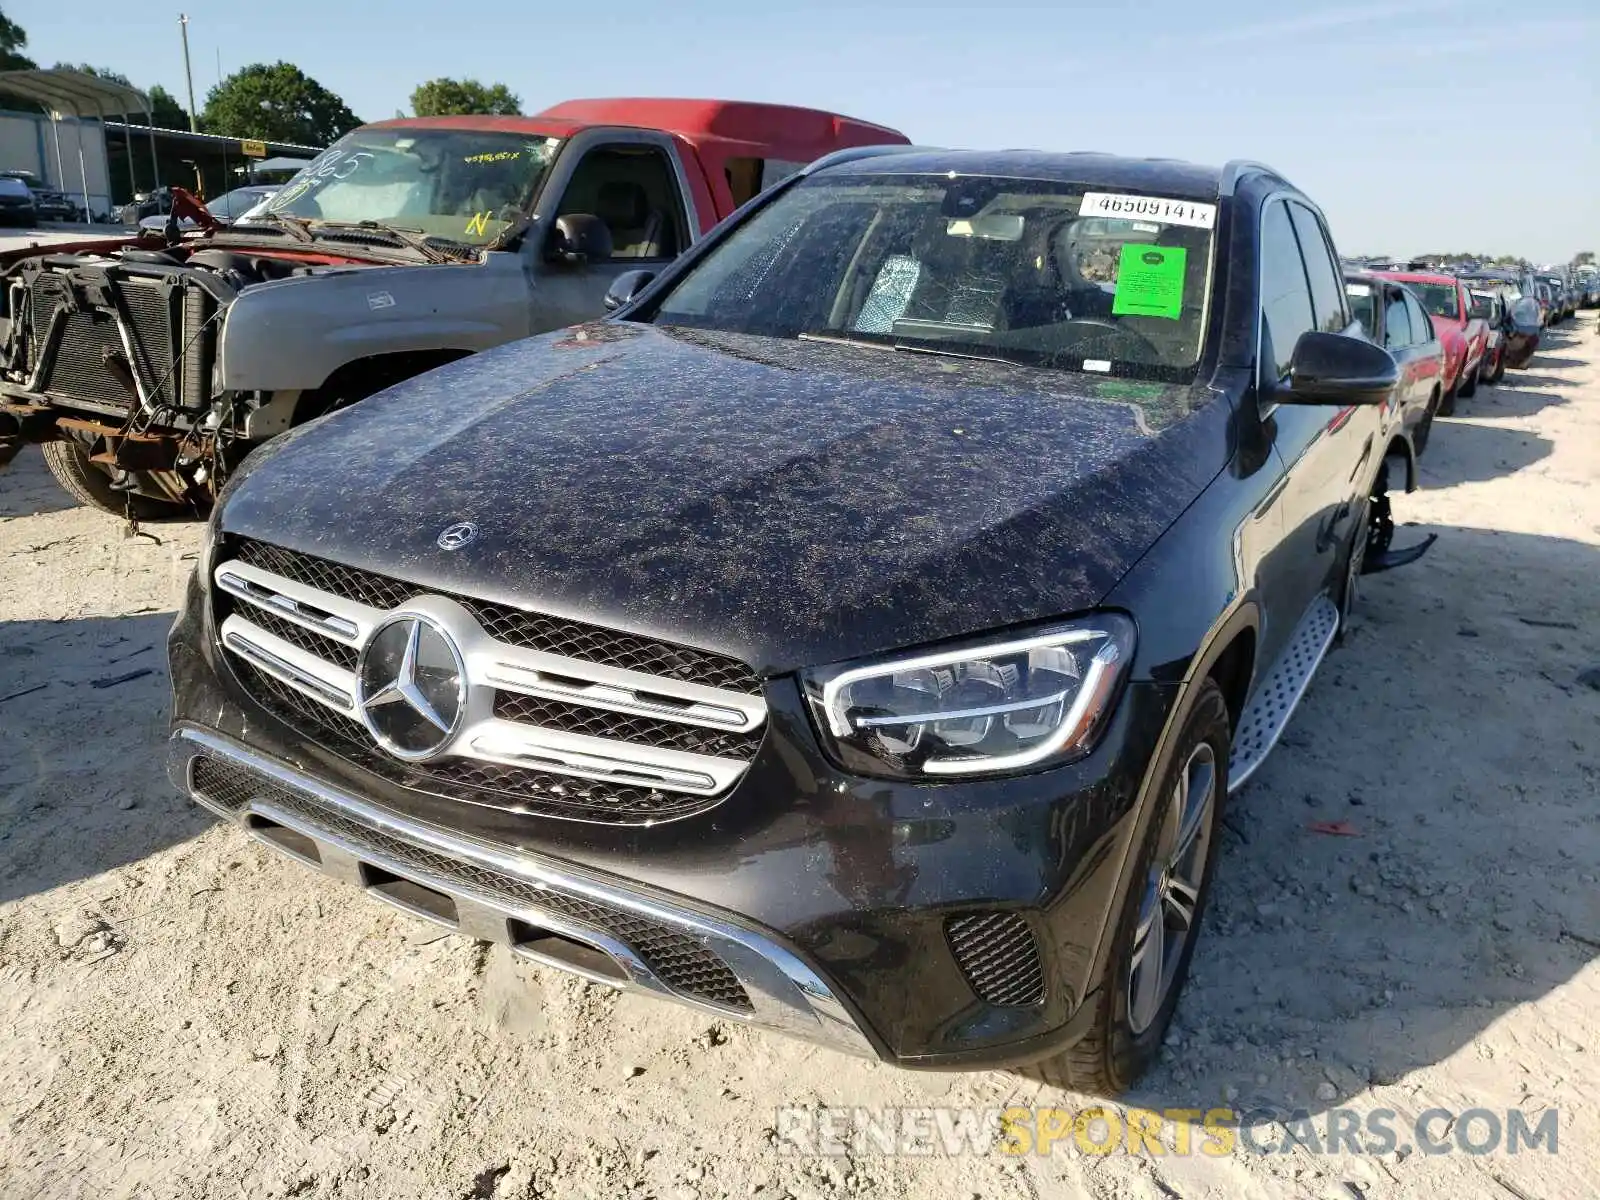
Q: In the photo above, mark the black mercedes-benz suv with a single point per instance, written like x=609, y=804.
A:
x=857, y=634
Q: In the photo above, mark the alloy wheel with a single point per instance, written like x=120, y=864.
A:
x=1169, y=908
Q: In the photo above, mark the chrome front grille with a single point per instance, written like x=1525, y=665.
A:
x=576, y=734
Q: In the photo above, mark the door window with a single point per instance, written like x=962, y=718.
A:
x=1286, y=310
x=1327, y=289
x=1421, y=322
x=1397, y=332
x=633, y=190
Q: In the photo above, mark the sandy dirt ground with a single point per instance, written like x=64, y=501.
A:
x=185, y=1014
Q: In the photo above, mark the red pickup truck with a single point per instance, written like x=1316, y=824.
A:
x=148, y=366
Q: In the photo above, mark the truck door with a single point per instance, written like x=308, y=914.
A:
x=634, y=182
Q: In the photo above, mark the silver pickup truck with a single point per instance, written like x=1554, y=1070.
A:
x=148, y=366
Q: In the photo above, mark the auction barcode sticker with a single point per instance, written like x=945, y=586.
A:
x=1152, y=208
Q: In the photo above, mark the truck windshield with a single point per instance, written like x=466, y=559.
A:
x=464, y=185
x=1035, y=272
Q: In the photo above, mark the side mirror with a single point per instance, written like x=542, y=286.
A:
x=1330, y=368
x=579, y=238
x=625, y=287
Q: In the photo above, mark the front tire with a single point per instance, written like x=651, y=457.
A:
x=1159, y=923
x=1447, y=402
x=1468, y=386
x=86, y=483
x=1424, y=430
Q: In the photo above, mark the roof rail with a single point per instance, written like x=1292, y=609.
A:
x=1234, y=171
x=852, y=153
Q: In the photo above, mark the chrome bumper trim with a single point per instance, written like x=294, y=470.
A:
x=785, y=994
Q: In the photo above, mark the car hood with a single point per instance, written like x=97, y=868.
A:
x=788, y=503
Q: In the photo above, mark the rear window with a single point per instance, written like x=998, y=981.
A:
x=1438, y=299
x=1363, y=305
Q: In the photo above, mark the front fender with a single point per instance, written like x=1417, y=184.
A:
x=294, y=333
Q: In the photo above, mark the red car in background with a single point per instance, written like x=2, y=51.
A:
x=1465, y=337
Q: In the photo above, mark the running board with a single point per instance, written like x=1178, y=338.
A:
x=1279, y=692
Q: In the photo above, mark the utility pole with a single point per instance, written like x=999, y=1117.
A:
x=188, y=75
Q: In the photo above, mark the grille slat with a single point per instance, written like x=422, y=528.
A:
x=997, y=954
x=625, y=727
x=676, y=957
x=471, y=780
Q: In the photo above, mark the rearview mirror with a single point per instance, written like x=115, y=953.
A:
x=579, y=238
x=1330, y=368
x=625, y=287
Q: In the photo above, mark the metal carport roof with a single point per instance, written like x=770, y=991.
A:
x=82, y=95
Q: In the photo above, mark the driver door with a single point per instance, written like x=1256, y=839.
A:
x=634, y=182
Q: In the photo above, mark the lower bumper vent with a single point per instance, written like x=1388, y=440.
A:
x=997, y=954
x=676, y=958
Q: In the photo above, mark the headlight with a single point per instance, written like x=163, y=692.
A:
x=1002, y=706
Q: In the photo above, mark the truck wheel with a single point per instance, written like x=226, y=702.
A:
x=1499, y=367
x=1447, y=402
x=1468, y=385
x=1160, y=919
x=88, y=484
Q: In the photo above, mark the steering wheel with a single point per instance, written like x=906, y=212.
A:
x=1137, y=339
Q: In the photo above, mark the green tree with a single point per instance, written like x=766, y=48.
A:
x=455, y=97
x=105, y=73
x=165, y=110
x=13, y=40
x=1584, y=256
x=277, y=103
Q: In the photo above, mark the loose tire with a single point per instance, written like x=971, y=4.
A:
x=1499, y=367
x=1467, y=387
x=88, y=484
x=1447, y=402
x=1128, y=1025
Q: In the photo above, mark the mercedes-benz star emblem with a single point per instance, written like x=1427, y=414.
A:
x=453, y=537
x=411, y=686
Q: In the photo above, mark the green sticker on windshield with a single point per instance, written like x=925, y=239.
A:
x=1150, y=281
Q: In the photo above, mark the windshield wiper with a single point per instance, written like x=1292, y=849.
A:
x=904, y=347
x=295, y=225
x=422, y=243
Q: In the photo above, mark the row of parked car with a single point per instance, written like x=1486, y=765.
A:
x=857, y=633
x=25, y=200
x=1449, y=331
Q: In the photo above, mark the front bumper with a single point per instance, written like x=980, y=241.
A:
x=834, y=900
x=540, y=909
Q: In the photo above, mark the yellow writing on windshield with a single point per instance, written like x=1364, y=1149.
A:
x=493, y=156
x=478, y=224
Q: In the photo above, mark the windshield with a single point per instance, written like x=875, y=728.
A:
x=1438, y=298
x=1027, y=271
x=237, y=202
x=464, y=185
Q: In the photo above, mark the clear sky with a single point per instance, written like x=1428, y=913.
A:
x=1449, y=125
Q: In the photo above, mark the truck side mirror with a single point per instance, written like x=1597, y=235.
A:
x=579, y=238
x=625, y=287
